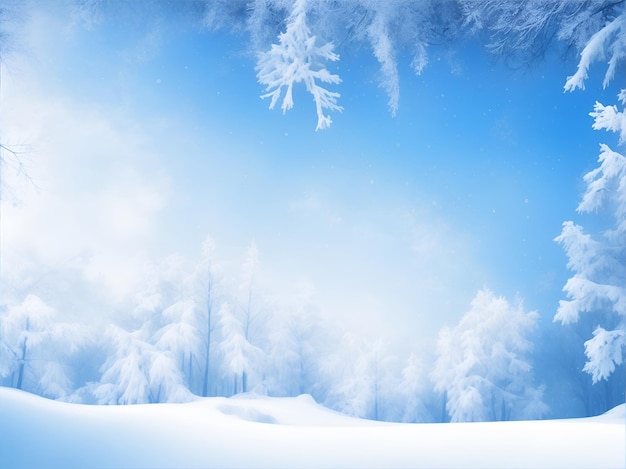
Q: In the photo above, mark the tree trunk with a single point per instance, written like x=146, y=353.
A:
x=376, y=407
x=376, y=401
x=205, y=379
x=444, y=414
x=20, y=376
x=209, y=328
x=20, y=373
x=190, y=372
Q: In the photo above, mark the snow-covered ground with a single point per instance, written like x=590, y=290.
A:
x=261, y=432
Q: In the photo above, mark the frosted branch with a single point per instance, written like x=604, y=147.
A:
x=297, y=59
x=378, y=33
x=596, y=50
x=604, y=351
x=612, y=169
x=609, y=118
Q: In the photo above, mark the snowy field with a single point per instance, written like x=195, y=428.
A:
x=261, y=432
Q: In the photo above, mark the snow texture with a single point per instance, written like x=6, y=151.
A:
x=250, y=431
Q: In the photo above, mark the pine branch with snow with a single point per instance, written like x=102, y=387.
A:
x=241, y=358
x=604, y=351
x=384, y=51
x=610, y=41
x=606, y=181
x=609, y=118
x=295, y=59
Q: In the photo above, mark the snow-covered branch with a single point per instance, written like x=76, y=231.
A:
x=587, y=296
x=609, y=41
x=600, y=182
x=384, y=51
x=604, y=352
x=297, y=58
x=610, y=118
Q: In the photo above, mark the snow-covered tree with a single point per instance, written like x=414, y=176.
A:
x=559, y=362
x=164, y=350
x=598, y=260
x=362, y=378
x=137, y=372
x=413, y=391
x=240, y=357
x=247, y=291
x=34, y=348
x=180, y=336
x=285, y=365
x=207, y=282
x=483, y=364
x=177, y=304
x=293, y=355
x=165, y=283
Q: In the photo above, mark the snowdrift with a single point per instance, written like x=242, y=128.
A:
x=261, y=432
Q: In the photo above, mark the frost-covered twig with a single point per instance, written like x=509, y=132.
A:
x=297, y=58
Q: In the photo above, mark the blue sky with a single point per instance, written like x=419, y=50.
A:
x=147, y=137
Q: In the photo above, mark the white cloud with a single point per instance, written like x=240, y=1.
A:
x=93, y=198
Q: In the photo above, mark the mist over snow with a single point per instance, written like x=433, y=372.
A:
x=425, y=227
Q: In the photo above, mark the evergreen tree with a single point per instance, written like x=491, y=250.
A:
x=483, y=364
x=34, y=348
x=598, y=260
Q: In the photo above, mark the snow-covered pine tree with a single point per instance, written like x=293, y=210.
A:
x=240, y=357
x=34, y=348
x=483, y=364
x=413, y=390
x=137, y=372
x=361, y=378
x=206, y=283
x=180, y=337
x=598, y=260
x=247, y=291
